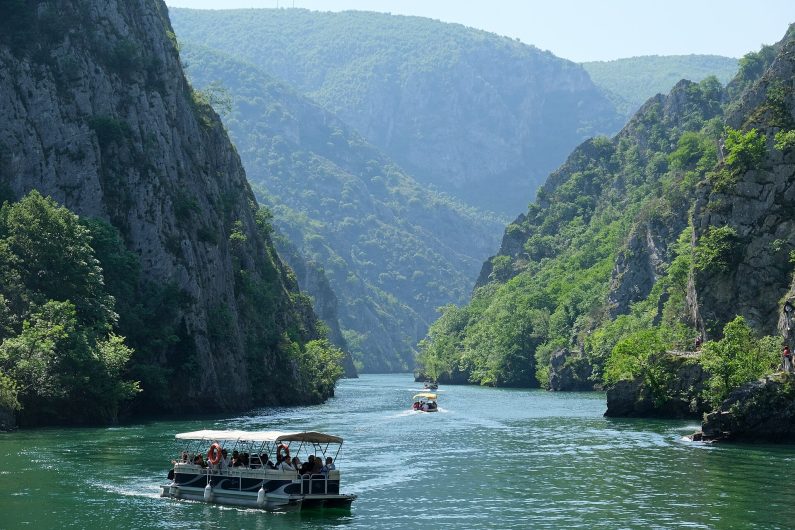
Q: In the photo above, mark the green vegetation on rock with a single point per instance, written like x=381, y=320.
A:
x=690, y=207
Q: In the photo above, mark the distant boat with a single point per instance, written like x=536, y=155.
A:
x=425, y=402
x=255, y=482
x=430, y=385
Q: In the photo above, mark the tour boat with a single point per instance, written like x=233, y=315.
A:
x=425, y=402
x=254, y=483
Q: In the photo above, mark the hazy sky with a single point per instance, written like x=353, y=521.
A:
x=585, y=30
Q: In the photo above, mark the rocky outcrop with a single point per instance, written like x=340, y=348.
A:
x=755, y=273
x=7, y=420
x=680, y=395
x=95, y=111
x=643, y=260
x=762, y=410
x=313, y=281
x=569, y=371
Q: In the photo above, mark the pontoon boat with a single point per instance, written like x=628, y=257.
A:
x=251, y=479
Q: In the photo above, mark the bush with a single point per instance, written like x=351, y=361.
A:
x=738, y=358
x=715, y=249
x=744, y=151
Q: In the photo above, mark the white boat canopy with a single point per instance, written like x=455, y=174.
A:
x=261, y=436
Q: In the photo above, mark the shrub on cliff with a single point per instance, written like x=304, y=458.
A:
x=739, y=357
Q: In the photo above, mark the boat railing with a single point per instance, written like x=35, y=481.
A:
x=314, y=483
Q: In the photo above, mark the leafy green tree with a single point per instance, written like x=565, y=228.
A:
x=744, y=151
x=61, y=360
x=738, y=358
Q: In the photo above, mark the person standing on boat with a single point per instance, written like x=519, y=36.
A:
x=224, y=462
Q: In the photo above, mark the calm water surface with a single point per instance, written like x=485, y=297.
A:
x=492, y=458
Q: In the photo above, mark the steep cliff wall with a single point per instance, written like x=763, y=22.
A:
x=753, y=204
x=95, y=111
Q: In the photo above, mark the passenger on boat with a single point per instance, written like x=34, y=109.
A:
x=317, y=466
x=199, y=460
x=266, y=462
x=224, y=463
x=285, y=465
x=425, y=407
x=244, y=459
x=296, y=463
x=237, y=461
x=307, y=466
x=416, y=405
x=329, y=466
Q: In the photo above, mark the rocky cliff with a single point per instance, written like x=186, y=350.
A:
x=762, y=410
x=754, y=206
x=679, y=396
x=95, y=111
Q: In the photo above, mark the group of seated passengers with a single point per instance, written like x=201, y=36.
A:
x=424, y=405
x=313, y=466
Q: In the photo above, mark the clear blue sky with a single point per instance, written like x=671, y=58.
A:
x=586, y=30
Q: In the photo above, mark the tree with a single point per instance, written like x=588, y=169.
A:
x=738, y=358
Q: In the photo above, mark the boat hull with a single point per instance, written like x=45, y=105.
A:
x=243, y=488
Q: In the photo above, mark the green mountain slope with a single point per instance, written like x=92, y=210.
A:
x=481, y=117
x=392, y=250
x=630, y=82
x=641, y=243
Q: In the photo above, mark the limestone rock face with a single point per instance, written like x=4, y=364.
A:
x=756, y=274
x=313, y=281
x=7, y=420
x=569, y=371
x=680, y=398
x=95, y=111
x=762, y=410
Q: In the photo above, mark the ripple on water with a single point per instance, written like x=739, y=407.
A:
x=496, y=458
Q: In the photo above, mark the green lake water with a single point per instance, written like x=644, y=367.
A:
x=491, y=458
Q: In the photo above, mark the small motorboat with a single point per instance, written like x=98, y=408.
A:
x=254, y=481
x=430, y=385
x=425, y=402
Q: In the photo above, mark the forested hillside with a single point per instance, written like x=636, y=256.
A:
x=630, y=82
x=392, y=250
x=482, y=117
x=150, y=272
x=674, y=230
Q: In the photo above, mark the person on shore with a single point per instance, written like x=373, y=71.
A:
x=787, y=357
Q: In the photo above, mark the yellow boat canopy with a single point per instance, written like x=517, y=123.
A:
x=260, y=436
x=425, y=395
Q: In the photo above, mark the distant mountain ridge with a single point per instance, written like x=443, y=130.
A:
x=633, y=80
x=476, y=115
